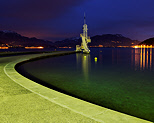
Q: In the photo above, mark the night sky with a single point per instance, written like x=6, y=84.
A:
x=59, y=19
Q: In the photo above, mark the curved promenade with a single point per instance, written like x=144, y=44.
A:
x=24, y=101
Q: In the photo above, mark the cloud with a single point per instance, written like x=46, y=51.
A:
x=36, y=9
x=36, y=17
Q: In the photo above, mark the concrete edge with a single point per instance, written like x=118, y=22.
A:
x=84, y=108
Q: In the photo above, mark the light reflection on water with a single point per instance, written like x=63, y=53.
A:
x=143, y=58
x=85, y=60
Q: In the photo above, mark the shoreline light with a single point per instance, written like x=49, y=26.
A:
x=143, y=46
x=4, y=47
x=40, y=47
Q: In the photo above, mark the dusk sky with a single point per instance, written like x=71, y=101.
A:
x=59, y=19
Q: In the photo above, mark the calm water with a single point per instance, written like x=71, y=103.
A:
x=121, y=79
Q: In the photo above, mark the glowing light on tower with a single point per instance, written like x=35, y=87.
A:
x=85, y=39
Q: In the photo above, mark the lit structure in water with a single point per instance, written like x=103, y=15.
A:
x=85, y=39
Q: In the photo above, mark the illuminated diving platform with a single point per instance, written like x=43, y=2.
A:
x=85, y=39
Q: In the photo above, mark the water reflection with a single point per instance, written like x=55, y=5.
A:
x=116, y=56
x=151, y=59
x=147, y=59
x=143, y=59
x=84, y=61
x=78, y=59
x=85, y=65
x=139, y=58
x=141, y=55
x=100, y=57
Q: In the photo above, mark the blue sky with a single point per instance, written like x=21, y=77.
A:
x=60, y=19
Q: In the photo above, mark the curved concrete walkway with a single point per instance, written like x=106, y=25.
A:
x=24, y=101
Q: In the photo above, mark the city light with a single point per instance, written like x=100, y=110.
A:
x=143, y=46
x=40, y=47
x=4, y=48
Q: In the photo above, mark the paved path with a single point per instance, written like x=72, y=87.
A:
x=24, y=101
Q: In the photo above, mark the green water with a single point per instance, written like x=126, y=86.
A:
x=121, y=79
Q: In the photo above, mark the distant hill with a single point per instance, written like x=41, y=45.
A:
x=112, y=40
x=107, y=40
x=149, y=41
x=10, y=38
x=14, y=39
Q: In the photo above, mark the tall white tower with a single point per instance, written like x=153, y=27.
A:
x=85, y=38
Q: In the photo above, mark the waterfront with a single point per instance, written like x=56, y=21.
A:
x=121, y=78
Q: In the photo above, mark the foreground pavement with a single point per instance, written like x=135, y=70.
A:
x=24, y=101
